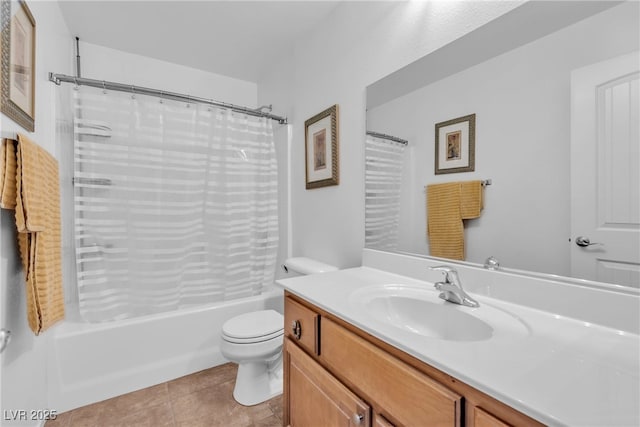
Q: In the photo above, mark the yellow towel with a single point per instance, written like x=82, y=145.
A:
x=37, y=206
x=8, y=174
x=471, y=202
x=447, y=205
x=444, y=224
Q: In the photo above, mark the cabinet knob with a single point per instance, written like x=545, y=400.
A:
x=357, y=419
x=296, y=329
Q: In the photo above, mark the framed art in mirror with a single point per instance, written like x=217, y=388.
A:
x=456, y=145
x=18, y=63
x=321, y=149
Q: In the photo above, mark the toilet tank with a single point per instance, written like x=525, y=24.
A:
x=301, y=266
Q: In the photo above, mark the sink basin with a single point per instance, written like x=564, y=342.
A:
x=420, y=311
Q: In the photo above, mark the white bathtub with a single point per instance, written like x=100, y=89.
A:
x=92, y=362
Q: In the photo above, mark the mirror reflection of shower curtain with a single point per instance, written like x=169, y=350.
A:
x=384, y=160
x=175, y=204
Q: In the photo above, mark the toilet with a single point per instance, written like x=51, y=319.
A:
x=254, y=341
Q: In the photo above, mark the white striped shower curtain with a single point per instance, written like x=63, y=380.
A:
x=175, y=204
x=384, y=160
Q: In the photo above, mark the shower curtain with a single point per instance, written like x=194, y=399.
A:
x=175, y=204
x=384, y=160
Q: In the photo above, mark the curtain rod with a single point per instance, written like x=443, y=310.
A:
x=389, y=137
x=60, y=78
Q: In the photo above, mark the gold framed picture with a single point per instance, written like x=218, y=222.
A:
x=456, y=145
x=321, y=149
x=18, y=63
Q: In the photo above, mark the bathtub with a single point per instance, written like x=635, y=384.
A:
x=88, y=362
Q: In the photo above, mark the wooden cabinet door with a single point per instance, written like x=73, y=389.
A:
x=313, y=397
x=380, y=421
x=484, y=419
x=409, y=396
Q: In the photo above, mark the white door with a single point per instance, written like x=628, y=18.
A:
x=605, y=165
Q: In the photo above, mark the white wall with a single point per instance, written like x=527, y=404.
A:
x=102, y=63
x=23, y=362
x=522, y=104
x=358, y=44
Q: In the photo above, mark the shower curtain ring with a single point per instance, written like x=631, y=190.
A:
x=75, y=80
x=188, y=101
x=104, y=87
x=161, y=97
x=133, y=92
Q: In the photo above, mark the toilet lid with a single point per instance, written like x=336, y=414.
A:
x=253, y=325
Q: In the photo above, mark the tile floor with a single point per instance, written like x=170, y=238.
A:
x=201, y=399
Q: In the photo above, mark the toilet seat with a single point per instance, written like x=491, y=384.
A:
x=254, y=327
x=253, y=340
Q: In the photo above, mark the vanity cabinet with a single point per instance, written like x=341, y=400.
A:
x=338, y=375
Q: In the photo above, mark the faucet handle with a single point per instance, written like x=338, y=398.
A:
x=443, y=268
x=492, y=263
x=450, y=273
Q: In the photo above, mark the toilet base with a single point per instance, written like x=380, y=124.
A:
x=258, y=381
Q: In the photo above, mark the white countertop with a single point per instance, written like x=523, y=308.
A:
x=560, y=372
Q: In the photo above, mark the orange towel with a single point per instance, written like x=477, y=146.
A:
x=447, y=205
x=37, y=205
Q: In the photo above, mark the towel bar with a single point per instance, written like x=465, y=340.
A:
x=484, y=183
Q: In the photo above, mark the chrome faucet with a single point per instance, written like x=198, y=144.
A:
x=452, y=288
x=492, y=263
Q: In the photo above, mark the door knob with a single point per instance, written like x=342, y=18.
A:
x=583, y=242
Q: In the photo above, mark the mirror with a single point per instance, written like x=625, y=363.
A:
x=514, y=74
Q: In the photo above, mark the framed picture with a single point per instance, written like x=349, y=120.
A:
x=321, y=148
x=18, y=63
x=456, y=145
